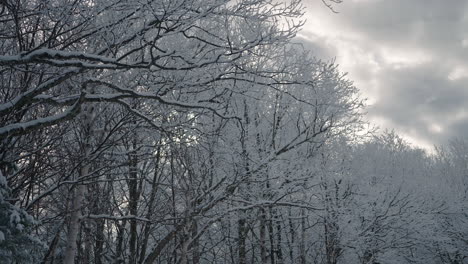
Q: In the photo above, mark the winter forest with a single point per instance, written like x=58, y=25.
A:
x=201, y=131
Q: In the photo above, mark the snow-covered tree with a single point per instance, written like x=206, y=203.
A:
x=17, y=245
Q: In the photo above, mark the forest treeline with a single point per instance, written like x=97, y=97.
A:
x=199, y=131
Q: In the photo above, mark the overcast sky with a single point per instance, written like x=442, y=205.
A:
x=408, y=57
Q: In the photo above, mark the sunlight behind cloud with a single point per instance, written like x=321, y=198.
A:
x=458, y=73
x=399, y=58
x=435, y=128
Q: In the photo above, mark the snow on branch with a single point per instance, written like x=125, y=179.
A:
x=130, y=93
x=27, y=127
x=58, y=58
x=116, y=218
x=25, y=98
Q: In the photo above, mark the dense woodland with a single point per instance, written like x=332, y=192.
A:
x=199, y=131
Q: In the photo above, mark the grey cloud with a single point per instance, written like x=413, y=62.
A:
x=403, y=20
x=412, y=97
x=458, y=129
x=424, y=24
x=417, y=97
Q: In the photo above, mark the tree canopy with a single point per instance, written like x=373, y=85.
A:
x=199, y=131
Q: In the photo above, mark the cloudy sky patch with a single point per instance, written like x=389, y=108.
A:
x=409, y=58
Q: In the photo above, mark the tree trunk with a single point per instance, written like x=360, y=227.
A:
x=302, y=242
x=195, y=244
x=279, y=250
x=80, y=189
x=74, y=225
x=292, y=233
x=242, y=227
x=149, y=214
x=272, y=237
x=242, y=223
x=263, y=253
x=120, y=240
x=99, y=243
x=133, y=207
x=78, y=198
